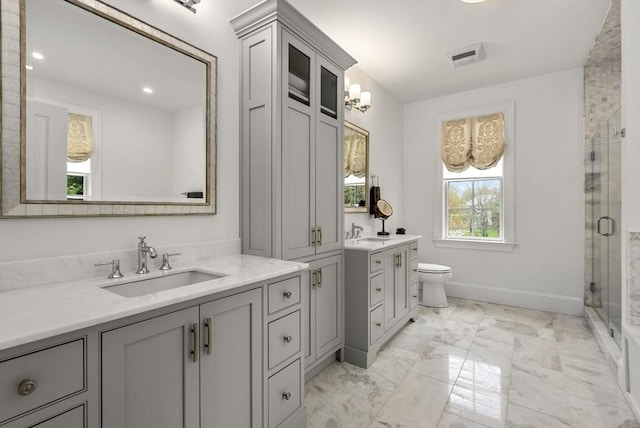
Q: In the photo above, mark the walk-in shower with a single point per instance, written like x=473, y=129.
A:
x=603, y=167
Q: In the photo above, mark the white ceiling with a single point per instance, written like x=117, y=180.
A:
x=402, y=43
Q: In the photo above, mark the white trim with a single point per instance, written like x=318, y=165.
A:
x=468, y=244
x=520, y=298
x=508, y=173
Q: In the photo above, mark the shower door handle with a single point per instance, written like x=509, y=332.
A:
x=610, y=230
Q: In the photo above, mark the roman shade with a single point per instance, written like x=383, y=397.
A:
x=355, y=155
x=80, y=142
x=476, y=141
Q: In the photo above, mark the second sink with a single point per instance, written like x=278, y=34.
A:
x=140, y=287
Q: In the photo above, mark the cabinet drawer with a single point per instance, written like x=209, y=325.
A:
x=284, y=338
x=376, y=319
x=283, y=294
x=56, y=372
x=413, y=271
x=376, y=292
x=413, y=295
x=285, y=395
x=413, y=250
x=376, y=262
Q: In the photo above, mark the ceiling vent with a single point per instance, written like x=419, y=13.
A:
x=464, y=56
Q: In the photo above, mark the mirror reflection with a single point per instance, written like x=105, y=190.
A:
x=111, y=115
x=356, y=168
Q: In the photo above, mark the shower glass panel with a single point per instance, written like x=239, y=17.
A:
x=605, y=169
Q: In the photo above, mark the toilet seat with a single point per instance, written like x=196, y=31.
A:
x=433, y=268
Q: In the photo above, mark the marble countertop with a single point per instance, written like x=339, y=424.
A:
x=373, y=243
x=35, y=313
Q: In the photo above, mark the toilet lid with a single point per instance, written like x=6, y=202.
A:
x=433, y=268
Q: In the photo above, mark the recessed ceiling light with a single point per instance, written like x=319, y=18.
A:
x=37, y=55
x=147, y=90
x=473, y=1
x=28, y=67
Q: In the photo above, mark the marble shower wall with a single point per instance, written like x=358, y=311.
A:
x=602, y=81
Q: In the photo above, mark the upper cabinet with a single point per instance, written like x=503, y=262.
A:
x=292, y=130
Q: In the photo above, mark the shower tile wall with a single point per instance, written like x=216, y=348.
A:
x=633, y=279
x=602, y=79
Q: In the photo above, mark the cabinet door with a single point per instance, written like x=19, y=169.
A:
x=328, y=303
x=149, y=378
x=231, y=375
x=329, y=157
x=322, y=310
x=396, y=303
x=298, y=156
x=390, y=262
x=401, y=285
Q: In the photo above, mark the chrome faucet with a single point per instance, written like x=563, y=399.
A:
x=355, y=228
x=143, y=250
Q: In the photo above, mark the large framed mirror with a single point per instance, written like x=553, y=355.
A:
x=103, y=114
x=356, y=169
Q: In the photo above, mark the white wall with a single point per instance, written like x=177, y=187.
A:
x=209, y=30
x=545, y=269
x=384, y=121
x=188, y=163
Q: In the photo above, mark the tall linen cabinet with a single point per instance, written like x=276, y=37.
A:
x=292, y=161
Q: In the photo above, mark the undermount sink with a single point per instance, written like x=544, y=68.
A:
x=375, y=239
x=140, y=287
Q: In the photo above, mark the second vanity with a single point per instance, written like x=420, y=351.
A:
x=381, y=293
x=222, y=352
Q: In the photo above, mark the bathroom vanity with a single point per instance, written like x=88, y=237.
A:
x=221, y=352
x=381, y=293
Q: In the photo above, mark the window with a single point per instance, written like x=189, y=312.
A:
x=475, y=207
x=473, y=204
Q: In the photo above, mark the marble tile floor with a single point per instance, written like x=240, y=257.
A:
x=472, y=365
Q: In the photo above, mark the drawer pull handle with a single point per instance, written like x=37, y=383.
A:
x=209, y=326
x=27, y=386
x=286, y=395
x=288, y=339
x=195, y=332
x=287, y=294
x=379, y=324
x=378, y=289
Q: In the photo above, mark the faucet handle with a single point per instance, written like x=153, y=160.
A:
x=115, y=268
x=165, y=260
x=142, y=238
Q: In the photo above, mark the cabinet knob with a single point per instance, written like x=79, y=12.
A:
x=415, y=297
x=286, y=395
x=415, y=269
x=379, y=324
x=378, y=289
x=378, y=262
x=27, y=386
x=288, y=339
x=287, y=294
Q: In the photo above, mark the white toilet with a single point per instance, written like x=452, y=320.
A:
x=432, y=278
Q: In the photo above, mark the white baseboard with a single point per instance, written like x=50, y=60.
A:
x=524, y=299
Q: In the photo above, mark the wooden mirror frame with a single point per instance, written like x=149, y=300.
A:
x=13, y=202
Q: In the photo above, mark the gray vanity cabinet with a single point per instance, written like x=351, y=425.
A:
x=197, y=367
x=292, y=128
x=380, y=286
x=323, y=294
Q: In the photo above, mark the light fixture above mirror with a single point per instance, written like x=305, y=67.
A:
x=189, y=4
x=356, y=98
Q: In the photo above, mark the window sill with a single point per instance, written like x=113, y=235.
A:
x=464, y=244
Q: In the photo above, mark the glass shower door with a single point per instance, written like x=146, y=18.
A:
x=607, y=239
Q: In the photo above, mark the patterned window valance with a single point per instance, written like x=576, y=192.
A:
x=476, y=141
x=355, y=155
x=80, y=142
